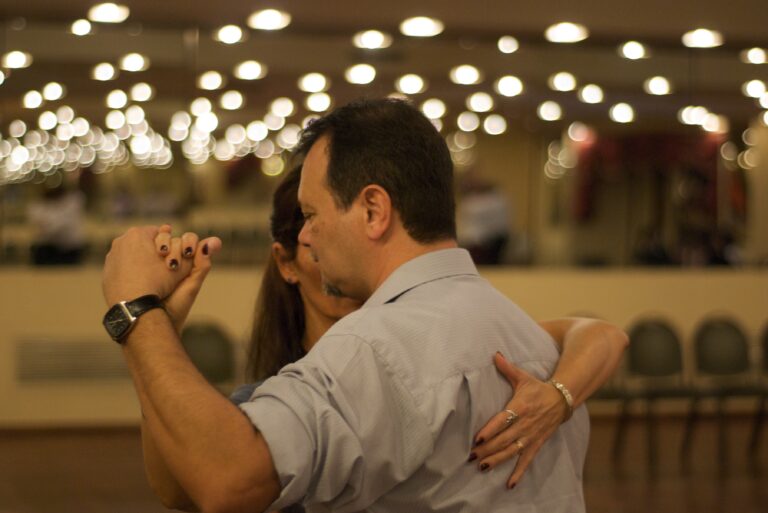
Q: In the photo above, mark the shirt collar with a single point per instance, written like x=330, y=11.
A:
x=431, y=266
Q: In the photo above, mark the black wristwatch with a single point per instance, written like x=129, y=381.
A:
x=121, y=318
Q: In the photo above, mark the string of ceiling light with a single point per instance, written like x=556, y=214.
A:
x=66, y=141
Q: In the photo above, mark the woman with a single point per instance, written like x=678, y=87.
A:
x=292, y=314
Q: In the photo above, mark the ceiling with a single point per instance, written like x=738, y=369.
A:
x=176, y=36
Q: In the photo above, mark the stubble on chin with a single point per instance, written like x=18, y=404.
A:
x=331, y=290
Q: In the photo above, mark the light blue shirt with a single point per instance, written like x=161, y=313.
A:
x=381, y=414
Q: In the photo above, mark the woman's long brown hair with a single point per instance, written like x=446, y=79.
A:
x=278, y=324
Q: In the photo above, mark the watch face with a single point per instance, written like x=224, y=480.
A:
x=116, y=322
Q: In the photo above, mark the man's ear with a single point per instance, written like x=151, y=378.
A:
x=285, y=264
x=377, y=207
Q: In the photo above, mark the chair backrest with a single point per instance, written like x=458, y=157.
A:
x=211, y=350
x=721, y=347
x=654, y=350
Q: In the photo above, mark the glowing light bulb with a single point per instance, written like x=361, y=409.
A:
x=466, y=74
x=360, y=74
x=372, y=40
x=633, y=50
x=550, y=111
x=507, y=44
x=657, y=86
x=421, y=26
x=566, y=32
x=410, y=84
x=229, y=34
x=480, y=102
x=622, y=113
x=591, y=93
x=269, y=19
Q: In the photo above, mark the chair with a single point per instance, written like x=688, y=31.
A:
x=211, y=350
x=654, y=371
x=722, y=370
x=760, y=413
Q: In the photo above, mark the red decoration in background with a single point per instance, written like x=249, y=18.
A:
x=611, y=158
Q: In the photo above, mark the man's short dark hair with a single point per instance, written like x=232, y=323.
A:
x=390, y=143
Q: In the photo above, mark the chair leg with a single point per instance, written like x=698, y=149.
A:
x=690, y=423
x=722, y=437
x=621, y=427
x=757, y=426
x=651, y=432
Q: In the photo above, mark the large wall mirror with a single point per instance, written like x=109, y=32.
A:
x=583, y=135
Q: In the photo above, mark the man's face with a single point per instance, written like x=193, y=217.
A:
x=329, y=232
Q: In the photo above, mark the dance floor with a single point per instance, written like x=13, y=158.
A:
x=100, y=471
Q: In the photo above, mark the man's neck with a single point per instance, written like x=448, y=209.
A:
x=395, y=255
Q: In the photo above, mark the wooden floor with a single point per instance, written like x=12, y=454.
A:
x=98, y=471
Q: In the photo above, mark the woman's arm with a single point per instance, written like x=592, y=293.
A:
x=590, y=352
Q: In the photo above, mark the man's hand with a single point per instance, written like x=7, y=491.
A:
x=185, y=248
x=133, y=268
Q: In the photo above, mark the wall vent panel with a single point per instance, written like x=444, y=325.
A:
x=47, y=359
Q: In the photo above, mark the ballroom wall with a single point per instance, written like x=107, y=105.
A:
x=62, y=311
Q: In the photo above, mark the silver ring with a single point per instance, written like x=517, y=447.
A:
x=511, y=418
x=520, y=445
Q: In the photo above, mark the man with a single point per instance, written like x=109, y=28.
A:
x=382, y=413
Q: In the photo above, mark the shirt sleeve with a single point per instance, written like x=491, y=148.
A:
x=341, y=428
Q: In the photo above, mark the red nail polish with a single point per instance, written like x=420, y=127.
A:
x=472, y=456
x=188, y=251
x=484, y=467
x=205, y=249
x=174, y=264
x=163, y=248
x=512, y=486
x=479, y=441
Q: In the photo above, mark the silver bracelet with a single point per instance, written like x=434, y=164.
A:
x=566, y=395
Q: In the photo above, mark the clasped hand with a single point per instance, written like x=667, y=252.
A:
x=148, y=260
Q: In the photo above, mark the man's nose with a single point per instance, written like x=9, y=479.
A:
x=304, y=236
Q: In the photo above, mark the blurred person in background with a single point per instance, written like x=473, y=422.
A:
x=649, y=248
x=483, y=219
x=58, y=223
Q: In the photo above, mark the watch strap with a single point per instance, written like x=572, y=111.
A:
x=143, y=304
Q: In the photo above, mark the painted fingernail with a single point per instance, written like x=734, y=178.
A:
x=205, y=249
x=174, y=264
x=479, y=441
x=472, y=456
x=187, y=251
x=511, y=486
x=163, y=248
x=484, y=467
